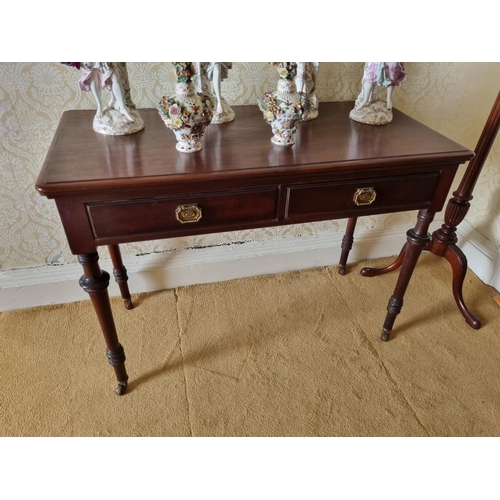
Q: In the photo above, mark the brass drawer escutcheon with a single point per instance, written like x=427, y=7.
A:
x=188, y=213
x=365, y=196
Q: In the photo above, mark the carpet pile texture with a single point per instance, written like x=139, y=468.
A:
x=293, y=354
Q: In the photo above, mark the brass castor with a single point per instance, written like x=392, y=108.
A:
x=384, y=336
x=121, y=388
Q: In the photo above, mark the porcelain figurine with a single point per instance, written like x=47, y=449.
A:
x=210, y=76
x=282, y=109
x=370, y=107
x=187, y=113
x=121, y=116
x=200, y=78
x=305, y=81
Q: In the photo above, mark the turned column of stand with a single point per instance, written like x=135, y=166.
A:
x=443, y=242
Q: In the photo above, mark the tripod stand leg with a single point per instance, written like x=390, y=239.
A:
x=369, y=272
x=458, y=263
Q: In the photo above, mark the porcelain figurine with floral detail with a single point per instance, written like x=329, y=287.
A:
x=187, y=113
x=283, y=109
x=121, y=116
x=305, y=81
x=370, y=106
x=210, y=76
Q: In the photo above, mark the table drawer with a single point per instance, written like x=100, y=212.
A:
x=192, y=212
x=364, y=195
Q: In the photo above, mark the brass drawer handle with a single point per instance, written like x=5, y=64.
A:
x=365, y=196
x=188, y=213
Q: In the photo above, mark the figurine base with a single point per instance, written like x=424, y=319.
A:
x=112, y=122
x=372, y=113
x=311, y=115
x=226, y=116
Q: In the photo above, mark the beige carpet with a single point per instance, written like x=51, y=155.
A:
x=294, y=354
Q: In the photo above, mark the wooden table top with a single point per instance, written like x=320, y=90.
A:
x=81, y=159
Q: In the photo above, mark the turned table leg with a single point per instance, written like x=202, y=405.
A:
x=120, y=274
x=95, y=282
x=347, y=241
x=418, y=239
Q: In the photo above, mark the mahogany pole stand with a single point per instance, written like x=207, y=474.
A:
x=443, y=242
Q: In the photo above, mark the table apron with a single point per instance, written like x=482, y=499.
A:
x=114, y=217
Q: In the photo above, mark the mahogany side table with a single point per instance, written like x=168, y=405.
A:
x=111, y=190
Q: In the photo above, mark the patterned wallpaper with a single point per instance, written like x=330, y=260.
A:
x=452, y=98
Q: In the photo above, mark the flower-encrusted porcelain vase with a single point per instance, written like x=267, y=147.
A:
x=283, y=109
x=187, y=113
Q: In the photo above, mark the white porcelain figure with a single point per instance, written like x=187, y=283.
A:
x=209, y=81
x=188, y=112
x=121, y=116
x=200, y=78
x=305, y=81
x=370, y=107
x=282, y=109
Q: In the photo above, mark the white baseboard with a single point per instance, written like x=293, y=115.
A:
x=483, y=257
x=25, y=288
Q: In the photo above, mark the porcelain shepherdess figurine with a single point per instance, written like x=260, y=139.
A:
x=305, y=81
x=370, y=107
x=187, y=113
x=121, y=116
x=210, y=76
x=282, y=109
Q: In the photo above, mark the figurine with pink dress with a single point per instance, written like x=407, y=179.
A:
x=370, y=107
x=121, y=116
